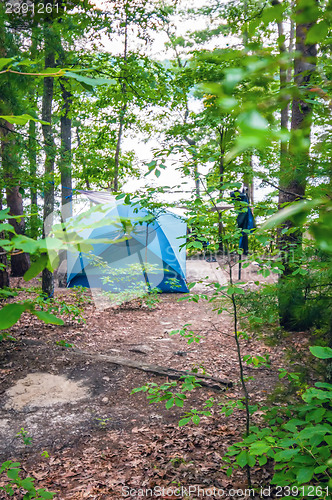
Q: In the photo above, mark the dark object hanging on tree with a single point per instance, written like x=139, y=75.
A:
x=245, y=220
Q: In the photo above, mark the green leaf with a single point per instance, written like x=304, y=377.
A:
x=323, y=385
x=92, y=82
x=13, y=473
x=21, y=119
x=27, y=484
x=26, y=244
x=196, y=419
x=262, y=460
x=232, y=77
x=317, y=32
x=5, y=226
x=259, y=447
x=45, y=494
x=179, y=402
x=48, y=318
x=242, y=458
x=36, y=268
x=320, y=469
x=298, y=207
x=184, y=421
x=10, y=314
x=252, y=121
x=285, y=455
x=321, y=352
x=311, y=431
x=169, y=403
x=5, y=60
x=305, y=475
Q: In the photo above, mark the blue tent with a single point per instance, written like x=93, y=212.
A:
x=140, y=254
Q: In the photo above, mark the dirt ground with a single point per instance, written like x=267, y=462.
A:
x=100, y=438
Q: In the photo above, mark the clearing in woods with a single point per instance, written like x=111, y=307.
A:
x=76, y=403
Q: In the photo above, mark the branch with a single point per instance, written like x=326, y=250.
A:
x=172, y=373
x=283, y=190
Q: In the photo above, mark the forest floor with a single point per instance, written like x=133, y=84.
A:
x=101, y=439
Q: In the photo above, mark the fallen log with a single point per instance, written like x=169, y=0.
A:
x=172, y=373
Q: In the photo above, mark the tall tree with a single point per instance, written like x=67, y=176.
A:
x=294, y=173
x=32, y=146
x=10, y=148
x=49, y=145
x=66, y=154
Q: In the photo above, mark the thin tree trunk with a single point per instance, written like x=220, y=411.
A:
x=33, y=175
x=65, y=161
x=50, y=151
x=122, y=115
x=20, y=262
x=221, y=131
x=33, y=150
x=118, y=145
x=247, y=177
x=4, y=276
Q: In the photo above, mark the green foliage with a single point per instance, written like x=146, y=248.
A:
x=23, y=434
x=63, y=343
x=297, y=439
x=166, y=392
x=11, y=313
x=16, y=483
x=187, y=334
x=151, y=299
x=259, y=306
x=47, y=306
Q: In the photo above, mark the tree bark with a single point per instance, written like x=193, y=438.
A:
x=50, y=152
x=294, y=179
x=33, y=150
x=20, y=262
x=65, y=160
x=4, y=276
x=295, y=168
x=221, y=131
x=122, y=114
x=33, y=175
x=172, y=373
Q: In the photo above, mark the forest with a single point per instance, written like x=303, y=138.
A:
x=165, y=249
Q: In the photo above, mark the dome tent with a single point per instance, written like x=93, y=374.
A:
x=142, y=253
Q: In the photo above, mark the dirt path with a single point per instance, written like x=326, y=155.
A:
x=101, y=438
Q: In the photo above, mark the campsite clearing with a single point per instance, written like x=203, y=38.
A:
x=100, y=437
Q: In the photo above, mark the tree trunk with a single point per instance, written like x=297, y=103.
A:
x=33, y=175
x=32, y=154
x=4, y=276
x=20, y=262
x=118, y=145
x=221, y=131
x=50, y=152
x=295, y=169
x=122, y=114
x=65, y=160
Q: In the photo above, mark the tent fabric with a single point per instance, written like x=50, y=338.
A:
x=245, y=220
x=140, y=253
